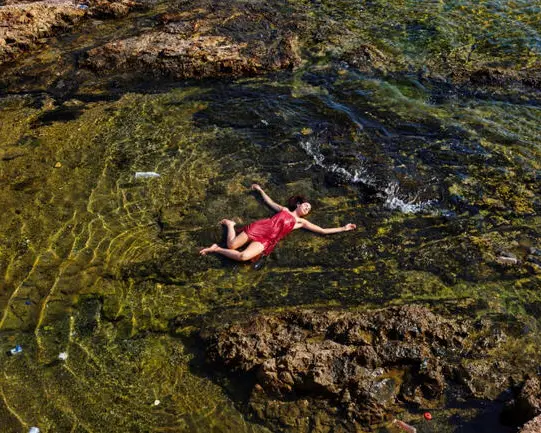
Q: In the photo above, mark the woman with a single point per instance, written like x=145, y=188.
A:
x=263, y=235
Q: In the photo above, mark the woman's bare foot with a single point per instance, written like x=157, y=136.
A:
x=210, y=249
x=228, y=223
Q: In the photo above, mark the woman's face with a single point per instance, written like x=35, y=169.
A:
x=304, y=208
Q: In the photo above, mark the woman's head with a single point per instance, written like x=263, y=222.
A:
x=299, y=202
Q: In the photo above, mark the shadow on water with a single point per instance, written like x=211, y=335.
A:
x=61, y=114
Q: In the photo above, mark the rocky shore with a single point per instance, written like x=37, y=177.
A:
x=326, y=369
x=25, y=26
x=207, y=41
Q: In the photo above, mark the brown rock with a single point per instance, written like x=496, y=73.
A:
x=533, y=426
x=527, y=404
x=202, y=43
x=359, y=367
x=111, y=9
x=196, y=57
x=24, y=26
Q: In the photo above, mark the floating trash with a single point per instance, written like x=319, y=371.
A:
x=33, y=430
x=63, y=356
x=16, y=350
x=428, y=416
x=146, y=174
x=157, y=402
x=406, y=427
x=503, y=260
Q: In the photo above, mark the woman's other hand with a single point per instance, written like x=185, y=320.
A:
x=349, y=227
x=256, y=187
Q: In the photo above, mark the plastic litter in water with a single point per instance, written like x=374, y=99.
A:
x=63, y=356
x=146, y=174
x=157, y=402
x=428, y=416
x=83, y=7
x=503, y=260
x=33, y=430
x=17, y=349
x=406, y=427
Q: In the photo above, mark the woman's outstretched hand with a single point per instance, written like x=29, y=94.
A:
x=256, y=187
x=349, y=227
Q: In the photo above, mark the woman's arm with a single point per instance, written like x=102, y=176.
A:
x=305, y=224
x=269, y=201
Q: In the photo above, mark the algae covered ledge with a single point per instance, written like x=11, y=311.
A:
x=418, y=121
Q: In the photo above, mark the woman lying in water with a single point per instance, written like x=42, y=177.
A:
x=263, y=235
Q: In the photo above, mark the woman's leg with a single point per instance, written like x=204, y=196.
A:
x=254, y=249
x=234, y=242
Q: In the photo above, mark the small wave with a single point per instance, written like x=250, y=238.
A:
x=408, y=206
x=358, y=175
x=390, y=195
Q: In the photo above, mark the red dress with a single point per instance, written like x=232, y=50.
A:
x=270, y=230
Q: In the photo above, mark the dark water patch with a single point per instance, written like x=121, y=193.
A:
x=29, y=141
x=534, y=308
x=60, y=114
x=487, y=419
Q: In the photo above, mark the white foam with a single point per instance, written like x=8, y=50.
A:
x=391, y=194
x=393, y=201
x=359, y=175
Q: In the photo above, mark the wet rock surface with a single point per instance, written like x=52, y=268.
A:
x=112, y=9
x=533, y=426
x=332, y=368
x=26, y=25
x=527, y=404
x=23, y=26
x=208, y=41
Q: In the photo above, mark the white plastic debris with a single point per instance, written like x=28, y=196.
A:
x=503, y=260
x=157, y=402
x=146, y=174
x=63, y=356
x=406, y=427
x=33, y=430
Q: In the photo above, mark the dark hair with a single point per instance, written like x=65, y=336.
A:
x=294, y=201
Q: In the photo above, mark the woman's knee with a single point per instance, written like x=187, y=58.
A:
x=237, y=242
x=243, y=257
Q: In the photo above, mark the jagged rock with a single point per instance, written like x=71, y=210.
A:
x=527, y=404
x=202, y=43
x=23, y=25
x=367, y=58
x=504, y=77
x=533, y=426
x=362, y=366
x=112, y=9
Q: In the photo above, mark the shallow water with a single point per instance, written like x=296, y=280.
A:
x=441, y=179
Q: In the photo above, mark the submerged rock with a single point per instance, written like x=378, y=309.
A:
x=342, y=368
